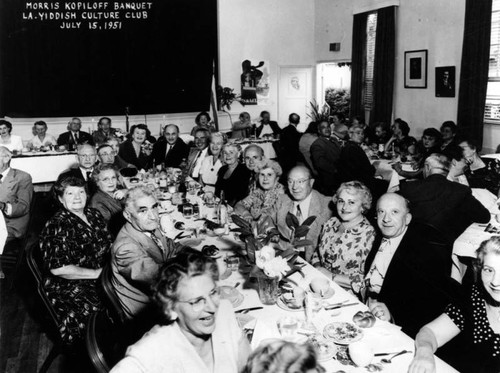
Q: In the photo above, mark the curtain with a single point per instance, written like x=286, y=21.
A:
x=474, y=70
x=383, y=75
x=357, y=63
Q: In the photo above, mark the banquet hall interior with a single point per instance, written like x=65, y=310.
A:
x=426, y=62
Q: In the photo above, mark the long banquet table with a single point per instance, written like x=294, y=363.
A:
x=44, y=167
x=382, y=337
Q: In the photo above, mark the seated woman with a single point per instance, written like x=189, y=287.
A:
x=233, y=177
x=11, y=142
x=137, y=150
x=107, y=199
x=74, y=243
x=347, y=239
x=200, y=333
x=283, y=357
x=473, y=323
x=212, y=163
x=203, y=120
x=241, y=128
x=262, y=199
x=400, y=141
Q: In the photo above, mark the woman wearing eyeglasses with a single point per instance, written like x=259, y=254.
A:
x=200, y=333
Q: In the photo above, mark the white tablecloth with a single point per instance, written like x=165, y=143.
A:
x=267, y=146
x=44, y=167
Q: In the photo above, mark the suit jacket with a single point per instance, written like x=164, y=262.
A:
x=274, y=126
x=289, y=153
x=319, y=207
x=174, y=157
x=99, y=137
x=127, y=153
x=17, y=189
x=191, y=161
x=448, y=206
x=416, y=289
x=67, y=139
x=77, y=172
x=135, y=262
x=110, y=209
x=325, y=154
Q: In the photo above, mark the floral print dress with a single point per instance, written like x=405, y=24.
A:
x=260, y=201
x=68, y=240
x=345, y=252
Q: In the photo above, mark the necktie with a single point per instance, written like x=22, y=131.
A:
x=378, y=270
x=157, y=241
x=75, y=135
x=298, y=214
x=89, y=175
x=169, y=148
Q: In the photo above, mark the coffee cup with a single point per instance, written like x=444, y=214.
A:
x=320, y=285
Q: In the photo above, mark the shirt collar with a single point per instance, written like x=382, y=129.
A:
x=4, y=174
x=304, y=205
x=393, y=242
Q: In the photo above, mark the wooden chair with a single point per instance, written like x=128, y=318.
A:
x=110, y=298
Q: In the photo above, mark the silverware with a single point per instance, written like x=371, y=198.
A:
x=389, y=353
x=245, y=310
x=326, y=304
x=388, y=361
x=340, y=306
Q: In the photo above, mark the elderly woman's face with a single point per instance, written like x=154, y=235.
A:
x=349, y=205
x=107, y=181
x=197, y=305
x=216, y=145
x=139, y=135
x=252, y=158
x=490, y=275
x=267, y=178
x=230, y=155
x=74, y=198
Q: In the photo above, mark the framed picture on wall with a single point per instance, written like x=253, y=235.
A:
x=445, y=81
x=416, y=69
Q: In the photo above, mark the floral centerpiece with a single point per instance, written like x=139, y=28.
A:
x=146, y=147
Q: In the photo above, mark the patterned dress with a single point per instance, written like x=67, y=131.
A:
x=345, y=252
x=68, y=240
x=477, y=347
x=261, y=201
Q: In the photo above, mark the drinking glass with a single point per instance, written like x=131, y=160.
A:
x=268, y=289
x=187, y=211
x=288, y=326
x=233, y=263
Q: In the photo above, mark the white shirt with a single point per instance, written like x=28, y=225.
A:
x=199, y=160
x=304, y=207
x=266, y=130
x=382, y=260
x=8, y=206
x=209, y=170
x=16, y=143
x=47, y=140
x=84, y=172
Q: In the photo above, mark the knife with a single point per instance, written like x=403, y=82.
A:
x=340, y=306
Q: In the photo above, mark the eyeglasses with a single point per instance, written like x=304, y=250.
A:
x=200, y=303
x=86, y=156
x=297, y=182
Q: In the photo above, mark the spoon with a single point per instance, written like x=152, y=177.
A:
x=388, y=361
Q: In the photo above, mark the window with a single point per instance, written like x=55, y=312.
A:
x=492, y=108
x=371, y=33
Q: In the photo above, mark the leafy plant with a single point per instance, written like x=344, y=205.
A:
x=318, y=114
x=339, y=100
x=225, y=98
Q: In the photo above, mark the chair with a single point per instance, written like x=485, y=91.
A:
x=110, y=298
x=35, y=263
x=104, y=341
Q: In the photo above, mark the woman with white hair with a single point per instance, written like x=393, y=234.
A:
x=212, y=163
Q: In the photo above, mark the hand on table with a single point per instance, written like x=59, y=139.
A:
x=379, y=310
x=423, y=362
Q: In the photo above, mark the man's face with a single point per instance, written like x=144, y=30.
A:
x=299, y=184
x=380, y=132
x=114, y=144
x=428, y=141
x=447, y=133
x=252, y=158
x=392, y=215
x=75, y=125
x=40, y=130
x=324, y=129
x=201, y=140
x=171, y=134
x=143, y=214
x=105, y=125
x=357, y=135
x=87, y=157
x=106, y=155
x=266, y=117
x=4, y=159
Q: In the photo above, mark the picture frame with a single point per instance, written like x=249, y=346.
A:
x=445, y=81
x=416, y=69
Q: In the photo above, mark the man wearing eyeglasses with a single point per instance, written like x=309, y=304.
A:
x=107, y=155
x=87, y=158
x=139, y=251
x=303, y=202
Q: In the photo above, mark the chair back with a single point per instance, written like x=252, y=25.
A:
x=110, y=298
x=104, y=342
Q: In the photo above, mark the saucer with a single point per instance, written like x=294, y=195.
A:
x=280, y=302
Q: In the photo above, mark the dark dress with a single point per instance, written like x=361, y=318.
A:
x=236, y=186
x=67, y=240
x=128, y=154
x=477, y=347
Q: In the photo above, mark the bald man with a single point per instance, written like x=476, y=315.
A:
x=170, y=149
x=87, y=158
x=405, y=279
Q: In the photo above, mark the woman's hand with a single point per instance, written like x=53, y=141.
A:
x=397, y=167
x=119, y=194
x=380, y=310
x=423, y=362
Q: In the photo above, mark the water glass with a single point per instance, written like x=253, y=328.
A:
x=233, y=263
x=288, y=326
x=268, y=289
x=187, y=211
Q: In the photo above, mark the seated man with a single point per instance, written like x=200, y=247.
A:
x=405, y=279
x=87, y=158
x=171, y=150
x=139, y=251
x=303, y=202
x=107, y=155
x=197, y=154
x=16, y=194
x=104, y=131
x=74, y=136
x=267, y=126
x=448, y=206
x=253, y=155
x=41, y=138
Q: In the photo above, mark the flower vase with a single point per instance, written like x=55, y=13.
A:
x=268, y=289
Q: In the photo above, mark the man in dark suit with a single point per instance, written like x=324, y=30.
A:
x=289, y=153
x=74, y=136
x=267, y=126
x=16, y=194
x=87, y=158
x=325, y=153
x=303, y=202
x=405, y=279
x=448, y=206
x=197, y=154
x=139, y=251
x=171, y=150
